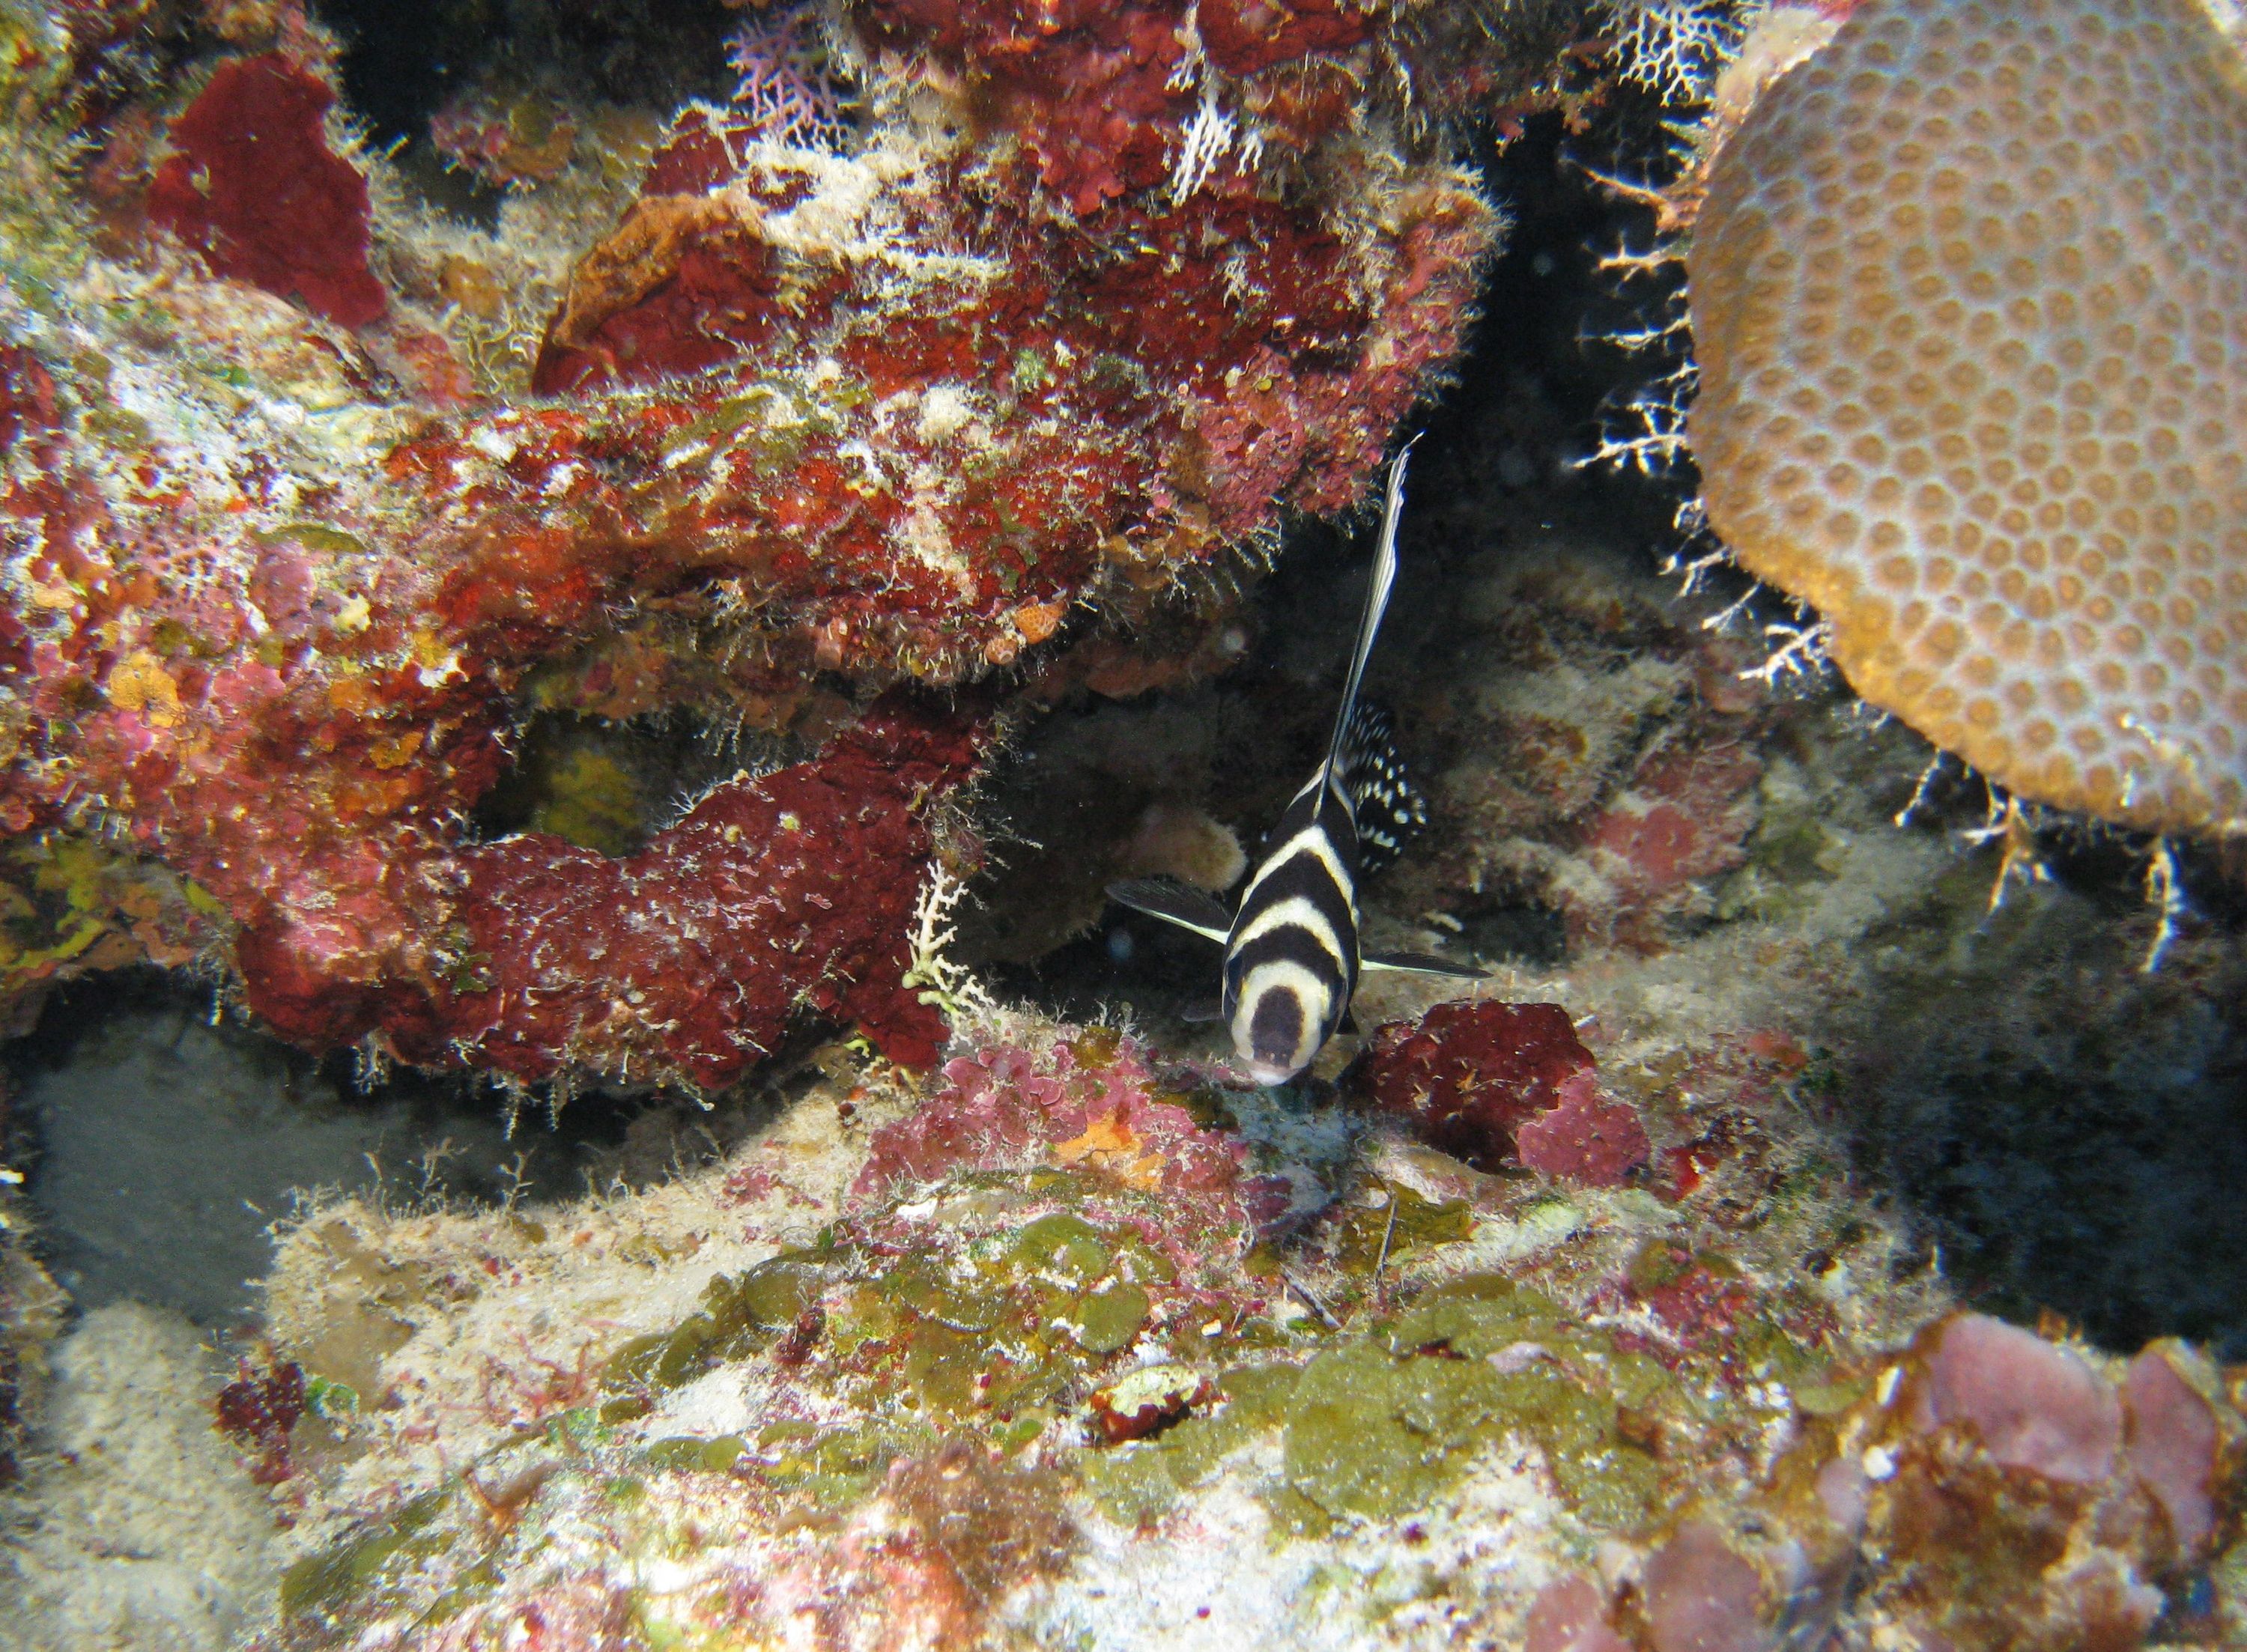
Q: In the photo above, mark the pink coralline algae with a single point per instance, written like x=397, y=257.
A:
x=2173, y=1442
x=1570, y=1615
x=1093, y=1104
x=2038, y=1407
x=1584, y=1138
x=2070, y=1497
x=2031, y=1406
x=889, y=414
x=1472, y=1077
x=1684, y=815
x=1975, y=1494
x=1702, y=1597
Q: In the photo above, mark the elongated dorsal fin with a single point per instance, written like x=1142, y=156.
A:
x=1377, y=600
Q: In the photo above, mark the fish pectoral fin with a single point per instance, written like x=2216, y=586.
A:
x=1175, y=903
x=1202, y=1009
x=1420, y=964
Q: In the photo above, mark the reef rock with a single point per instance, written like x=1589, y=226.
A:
x=1008, y=1359
x=313, y=490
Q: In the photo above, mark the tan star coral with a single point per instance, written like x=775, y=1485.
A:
x=1969, y=292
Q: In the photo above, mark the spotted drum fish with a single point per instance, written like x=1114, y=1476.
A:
x=1291, y=957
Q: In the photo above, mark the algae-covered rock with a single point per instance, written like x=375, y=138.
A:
x=989, y=1392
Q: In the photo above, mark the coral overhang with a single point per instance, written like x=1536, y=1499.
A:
x=275, y=585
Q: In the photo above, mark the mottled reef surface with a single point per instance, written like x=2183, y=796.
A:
x=594, y=594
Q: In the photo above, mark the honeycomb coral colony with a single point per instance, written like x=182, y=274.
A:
x=1078, y=300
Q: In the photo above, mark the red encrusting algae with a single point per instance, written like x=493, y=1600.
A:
x=887, y=415
x=254, y=186
x=1499, y=1084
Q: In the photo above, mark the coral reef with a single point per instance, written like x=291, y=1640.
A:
x=594, y=593
x=1981, y=417
x=293, y=541
x=1006, y=1359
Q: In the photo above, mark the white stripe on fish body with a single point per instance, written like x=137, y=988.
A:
x=1318, y=843
x=1303, y=999
x=1291, y=957
x=1299, y=912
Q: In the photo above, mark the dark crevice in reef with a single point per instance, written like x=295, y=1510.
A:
x=406, y=58
x=604, y=786
x=160, y=1141
x=1499, y=455
x=2070, y=1131
x=405, y=62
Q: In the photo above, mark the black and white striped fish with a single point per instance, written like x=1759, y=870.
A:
x=1291, y=957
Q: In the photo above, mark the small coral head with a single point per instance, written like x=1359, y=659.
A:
x=1969, y=292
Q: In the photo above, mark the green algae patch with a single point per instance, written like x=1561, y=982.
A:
x=1108, y=1322
x=833, y=1468
x=999, y=1336
x=1474, y=1316
x=1138, y=1481
x=1385, y=1423
x=1133, y=1485
x=1066, y=1246
x=693, y=1455
x=314, y=536
x=1367, y=1434
x=738, y=1316
x=333, y=1580
x=1369, y=1237
x=1003, y=1333
x=1372, y=1435
x=592, y=800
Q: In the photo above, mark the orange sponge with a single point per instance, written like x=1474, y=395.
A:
x=1969, y=294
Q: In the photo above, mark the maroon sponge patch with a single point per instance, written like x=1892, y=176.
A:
x=1466, y=1076
x=253, y=186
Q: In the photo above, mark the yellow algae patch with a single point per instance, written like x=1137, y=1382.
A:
x=139, y=682
x=1109, y=1145
x=395, y=751
x=350, y=694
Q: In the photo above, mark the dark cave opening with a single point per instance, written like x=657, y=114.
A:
x=404, y=60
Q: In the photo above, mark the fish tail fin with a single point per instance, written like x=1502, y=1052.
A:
x=1389, y=807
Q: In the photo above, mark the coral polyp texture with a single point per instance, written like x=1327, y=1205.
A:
x=313, y=493
x=1969, y=296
